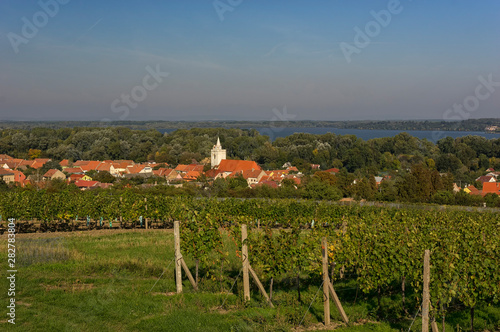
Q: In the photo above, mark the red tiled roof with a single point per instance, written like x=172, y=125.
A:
x=491, y=187
x=19, y=176
x=80, y=163
x=86, y=184
x=73, y=170
x=333, y=170
x=5, y=157
x=11, y=164
x=135, y=169
x=485, y=178
x=251, y=173
x=76, y=177
x=229, y=165
x=91, y=165
x=473, y=190
x=6, y=172
x=212, y=173
x=104, y=166
x=191, y=175
x=269, y=183
x=37, y=164
x=50, y=173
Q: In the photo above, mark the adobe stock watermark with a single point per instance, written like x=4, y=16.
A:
x=280, y=117
x=458, y=112
x=373, y=28
x=31, y=27
x=138, y=93
x=223, y=6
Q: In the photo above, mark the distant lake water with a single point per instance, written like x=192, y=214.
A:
x=364, y=134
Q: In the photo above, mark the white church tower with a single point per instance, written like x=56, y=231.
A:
x=217, y=154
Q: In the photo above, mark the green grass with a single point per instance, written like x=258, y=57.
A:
x=92, y=281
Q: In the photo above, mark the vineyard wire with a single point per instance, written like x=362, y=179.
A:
x=234, y=283
x=312, y=302
x=162, y=274
x=414, y=318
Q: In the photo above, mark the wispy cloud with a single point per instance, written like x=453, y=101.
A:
x=88, y=30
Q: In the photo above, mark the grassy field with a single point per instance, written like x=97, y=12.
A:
x=109, y=281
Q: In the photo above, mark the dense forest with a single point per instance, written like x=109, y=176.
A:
x=433, y=125
x=417, y=170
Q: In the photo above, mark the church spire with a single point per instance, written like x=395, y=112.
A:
x=217, y=154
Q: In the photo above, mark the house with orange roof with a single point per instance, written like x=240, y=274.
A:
x=294, y=178
x=181, y=168
x=471, y=190
x=333, y=170
x=64, y=163
x=4, y=157
x=79, y=163
x=74, y=170
x=120, y=167
x=491, y=187
x=191, y=176
x=82, y=184
x=269, y=183
x=39, y=162
x=106, y=166
x=9, y=164
x=139, y=169
x=167, y=173
x=172, y=175
x=53, y=174
x=213, y=173
x=19, y=177
x=76, y=177
x=486, y=178
x=91, y=165
x=8, y=176
x=252, y=176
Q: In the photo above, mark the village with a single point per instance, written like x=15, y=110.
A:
x=82, y=173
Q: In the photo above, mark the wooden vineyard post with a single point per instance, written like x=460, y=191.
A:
x=326, y=281
x=178, y=257
x=146, y=207
x=261, y=288
x=337, y=303
x=328, y=288
x=179, y=261
x=121, y=219
x=246, y=263
x=247, y=268
x=425, y=297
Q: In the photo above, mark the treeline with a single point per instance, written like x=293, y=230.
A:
x=437, y=125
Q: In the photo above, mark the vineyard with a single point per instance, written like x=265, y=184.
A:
x=380, y=248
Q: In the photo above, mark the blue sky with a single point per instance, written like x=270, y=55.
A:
x=88, y=56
